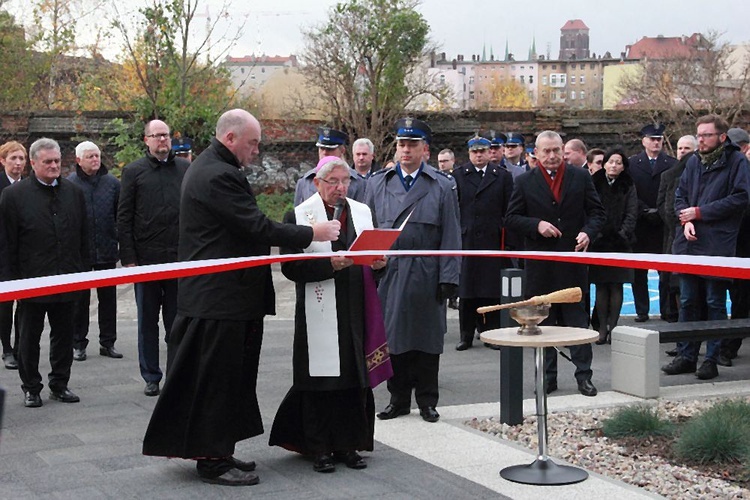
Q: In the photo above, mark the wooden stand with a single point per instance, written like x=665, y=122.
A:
x=543, y=471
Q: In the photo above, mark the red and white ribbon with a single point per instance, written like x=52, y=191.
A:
x=723, y=267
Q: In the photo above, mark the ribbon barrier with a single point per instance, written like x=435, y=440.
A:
x=720, y=267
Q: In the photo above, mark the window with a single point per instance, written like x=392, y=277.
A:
x=582, y=95
x=442, y=78
x=521, y=79
x=572, y=79
x=554, y=66
x=583, y=79
x=544, y=66
x=531, y=78
x=553, y=95
x=572, y=66
x=544, y=80
x=531, y=67
x=522, y=67
x=572, y=95
x=562, y=80
x=471, y=79
x=471, y=94
x=553, y=80
x=591, y=66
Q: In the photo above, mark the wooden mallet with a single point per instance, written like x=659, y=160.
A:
x=564, y=296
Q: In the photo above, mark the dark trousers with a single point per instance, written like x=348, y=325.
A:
x=8, y=322
x=702, y=298
x=417, y=370
x=31, y=323
x=640, y=292
x=739, y=292
x=470, y=321
x=107, y=314
x=581, y=355
x=668, y=297
x=152, y=298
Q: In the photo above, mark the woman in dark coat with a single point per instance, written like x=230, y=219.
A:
x=617, y=193
x=329, y=413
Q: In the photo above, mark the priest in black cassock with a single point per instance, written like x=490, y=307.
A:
x=329, y=413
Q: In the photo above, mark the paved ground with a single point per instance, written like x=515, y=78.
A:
x=92, y=449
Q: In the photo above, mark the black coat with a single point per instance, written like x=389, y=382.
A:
x=349, y=312
x=102, y=194
x=482, y=203
x=621, y=206
x=665, y=201
x=45, y=227
x=579, y=210
x=4, y=264
x=148, y=212
x=649, y=228
x=220, y=218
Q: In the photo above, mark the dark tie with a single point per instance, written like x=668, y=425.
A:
x=481, y=174
x=652, y=161
x=552, y=174
x=408, y=180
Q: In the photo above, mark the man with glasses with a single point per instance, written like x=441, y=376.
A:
x=710, y=201
x=147, y=223
x=646, y=169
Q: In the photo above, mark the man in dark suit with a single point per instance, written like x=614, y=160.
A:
x=484, y=190
x=646, y=169
x=557, y=209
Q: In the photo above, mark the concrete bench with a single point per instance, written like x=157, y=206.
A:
x=635, y=351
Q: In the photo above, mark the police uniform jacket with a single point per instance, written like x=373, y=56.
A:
x=483, y=202
x=649, y=227
x=414, y=317
x=579, y=210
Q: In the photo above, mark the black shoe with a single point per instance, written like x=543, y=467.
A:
x=9, y=359
x=671, y=352
x=152, y=389
x=724, y=360
x=109, y=352
x=79, y=354
x=679, y=365
x=429, y=414
x=550, y=386
x=392, y=412
x=351, y=459
x=641, y=318
x=31, y=400
x=64, y=396
x=243, y=466
x=453, y=303
x=586, y=388
x=707, y=371
x=494, y=347
x=604, y=339
x=324, y=463
x=233, y=477
x=463, y=345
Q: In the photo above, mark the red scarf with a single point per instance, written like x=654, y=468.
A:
x=555, y=185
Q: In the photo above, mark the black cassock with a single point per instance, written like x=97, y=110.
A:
x=328, y=414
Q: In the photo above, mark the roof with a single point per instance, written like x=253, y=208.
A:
x=662, y=47
x=574, y=24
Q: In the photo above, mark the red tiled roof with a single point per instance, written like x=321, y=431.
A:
x=662, y=47
x=574, y=24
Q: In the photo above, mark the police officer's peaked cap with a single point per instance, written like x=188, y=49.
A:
x=330, y=138
x=514, y=138
x=478, y=143
x=182, y=145
x=411, y=129
x=653, y=130
x=496, y=138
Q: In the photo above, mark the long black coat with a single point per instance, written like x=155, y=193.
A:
x=649, y=228
x=219, y=218
x=665, y=201
x=482, y=202
x=46, y=231
x=621, y=206
x=349, y=312
x=579, y=210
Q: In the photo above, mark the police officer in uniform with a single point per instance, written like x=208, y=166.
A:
x=484, y=190
x=514, y=148
x=413, y=290
x=497, y=146
x=331, y=142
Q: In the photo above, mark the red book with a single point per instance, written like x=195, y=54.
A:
x=375, y=239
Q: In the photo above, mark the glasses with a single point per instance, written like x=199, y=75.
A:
x=337, y=182
x=707, y=135
x=161, y=137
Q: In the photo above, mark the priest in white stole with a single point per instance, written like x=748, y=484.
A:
x=329, y=412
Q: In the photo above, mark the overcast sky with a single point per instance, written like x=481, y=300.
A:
x=463, y=27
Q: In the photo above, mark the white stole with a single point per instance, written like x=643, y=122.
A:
x=320, y=297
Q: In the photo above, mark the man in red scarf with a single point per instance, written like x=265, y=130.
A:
x=557, y=209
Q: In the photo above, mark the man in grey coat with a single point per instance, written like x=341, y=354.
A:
x=413, y=290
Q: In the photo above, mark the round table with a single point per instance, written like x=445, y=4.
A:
x=543, y=471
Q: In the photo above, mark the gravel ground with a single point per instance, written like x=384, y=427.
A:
x=576, y=437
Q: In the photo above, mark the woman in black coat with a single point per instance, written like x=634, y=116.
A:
x=617, y=193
